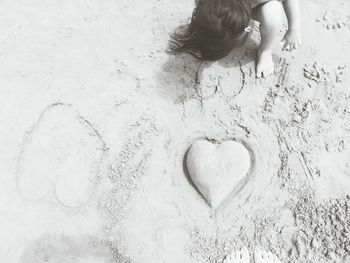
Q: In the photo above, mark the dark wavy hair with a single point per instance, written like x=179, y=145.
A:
x=214, y=30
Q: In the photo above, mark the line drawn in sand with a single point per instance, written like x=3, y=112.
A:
x=225, y=79
x=332, y=19
x=60, y=157
x=229, y=80
x=281, y=73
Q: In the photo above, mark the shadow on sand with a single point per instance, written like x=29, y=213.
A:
x=54, y=248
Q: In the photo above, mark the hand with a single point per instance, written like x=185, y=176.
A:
x=292, y=40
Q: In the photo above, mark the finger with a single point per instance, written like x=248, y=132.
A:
x=282, y=45
x=275, y=258
x=264, y=75
x=286, y=46
x=270, y=255
x=257, y=254
x=230, y=256
x=244, y=252
x=264, y=254
x=283, y=41
x=267, y=73
x=294, y=46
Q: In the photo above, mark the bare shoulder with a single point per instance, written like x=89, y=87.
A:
x=255, y=3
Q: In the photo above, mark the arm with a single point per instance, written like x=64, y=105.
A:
x=292, y=37
x=291, y=8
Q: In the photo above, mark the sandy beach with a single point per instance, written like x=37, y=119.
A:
x=110, y=144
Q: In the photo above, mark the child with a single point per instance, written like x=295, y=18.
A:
x=218, y=26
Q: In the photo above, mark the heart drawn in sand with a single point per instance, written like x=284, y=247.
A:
x=218, y=169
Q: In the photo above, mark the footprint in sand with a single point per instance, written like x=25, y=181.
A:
x=60, y=155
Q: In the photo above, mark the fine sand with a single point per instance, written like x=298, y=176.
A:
x=98, y=121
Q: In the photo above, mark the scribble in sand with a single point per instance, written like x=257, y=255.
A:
x=322, y=74
x=281, y=72
x=214, y=77
x=60, y=156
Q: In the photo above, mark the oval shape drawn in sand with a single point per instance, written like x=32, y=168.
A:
x=218, y=170
x=62, y=153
